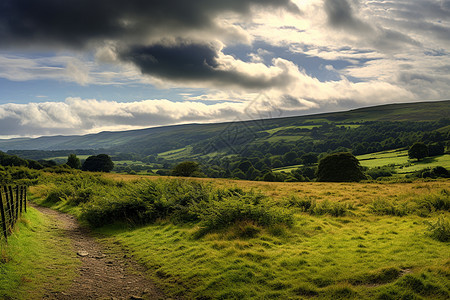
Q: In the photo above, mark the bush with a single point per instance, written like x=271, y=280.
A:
x=108, y=211
x=335, y=209
x=440, y=230
x=303, y=203
x=378, y=172
x=385, y=207
x=222, y=214
x=433, y=202
x=340, y=167
x=98, y=163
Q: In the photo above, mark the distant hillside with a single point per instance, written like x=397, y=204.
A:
x=162, y=139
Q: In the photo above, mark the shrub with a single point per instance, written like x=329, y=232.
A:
x=335, y=209
x=418, y=150
x=108, y=211
x=440, y=230
x=303, y=203
x=57, y=194
x=221, y=214
x=340, y=167
x=98, y=163
x=433, y=202
x=386, y=207
x=378, y=172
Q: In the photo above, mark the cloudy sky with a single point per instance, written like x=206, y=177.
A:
x=84, y=66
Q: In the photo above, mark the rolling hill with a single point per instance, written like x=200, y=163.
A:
x=168, y=138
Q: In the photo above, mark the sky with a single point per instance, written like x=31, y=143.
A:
x=85, y=66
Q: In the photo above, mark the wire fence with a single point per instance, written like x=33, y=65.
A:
x=13, y=201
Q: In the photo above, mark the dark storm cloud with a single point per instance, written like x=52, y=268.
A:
x=77, y=22
x=196, y=62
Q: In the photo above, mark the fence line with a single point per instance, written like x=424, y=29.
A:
x=13, y=201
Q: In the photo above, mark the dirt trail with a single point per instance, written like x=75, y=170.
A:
x=101, y=276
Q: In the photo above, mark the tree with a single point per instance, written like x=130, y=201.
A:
x=73, y=161
x=309, y=159
x=290, y=157
x=340, y=167
x=98, y=163
x=436, y=149
x=187, y=169
x=418, y=150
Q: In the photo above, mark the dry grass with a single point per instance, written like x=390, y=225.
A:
x=356, y=193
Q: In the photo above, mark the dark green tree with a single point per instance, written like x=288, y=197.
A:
x=98, y=163
x=187, y=169
x=418, y=150
x=436, y=149
x=340, y=167
x=309, y=159
x=290, y=157
x=73, y=161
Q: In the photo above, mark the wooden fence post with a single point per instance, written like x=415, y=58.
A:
x=20, y=192
x=2, y=212
x=25, y=197
x=13, y=208
x=17, y=202
x=8, y=203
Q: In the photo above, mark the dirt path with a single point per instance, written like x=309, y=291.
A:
x=101, y=276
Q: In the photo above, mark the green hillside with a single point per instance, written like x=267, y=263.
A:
x=161, y=139
x=279, y=149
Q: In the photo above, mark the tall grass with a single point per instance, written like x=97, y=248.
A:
x=422, y=205
x=104, y=202
x=206, y=239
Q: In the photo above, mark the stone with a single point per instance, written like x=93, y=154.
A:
x=82, y=253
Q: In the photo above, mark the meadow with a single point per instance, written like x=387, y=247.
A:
x=230, y=239
x=397, y=160
x=36, y=259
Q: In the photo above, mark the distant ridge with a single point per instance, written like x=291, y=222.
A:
x=160, y=139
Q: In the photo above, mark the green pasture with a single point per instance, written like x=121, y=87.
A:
x=307, y=240
x=37, y=258
x=176, y=154
x=401, y=162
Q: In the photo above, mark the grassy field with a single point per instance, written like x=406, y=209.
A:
x=356, y=241
x=398, y=159
x=35, y=259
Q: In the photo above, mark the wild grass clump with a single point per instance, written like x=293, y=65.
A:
x=440, y=230
x=382, y=276
x=304, y=204
x=104, y=201
x=334, y=209
x=380, y=172
x=18, y=175
x=221, y=214
x=388, y=207
x=421, y=286
x=433, y=202
x=104, y=211
x=422, y=205
x=311, y=206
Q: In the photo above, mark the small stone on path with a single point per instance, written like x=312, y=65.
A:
x=82, y=253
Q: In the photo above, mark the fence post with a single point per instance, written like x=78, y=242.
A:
x=25, y=197
x=8, y=203
x=2, y=212
x=20, y=192
x=13, y=207
x=17, y=202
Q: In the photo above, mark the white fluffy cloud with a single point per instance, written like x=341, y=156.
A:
x=377, y=51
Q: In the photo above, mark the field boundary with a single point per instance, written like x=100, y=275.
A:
x=13, y=201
